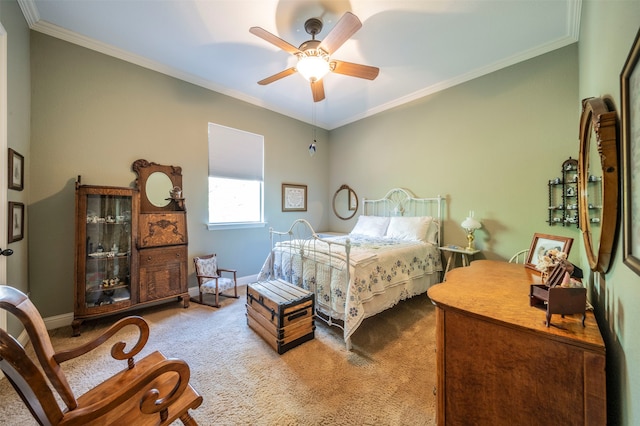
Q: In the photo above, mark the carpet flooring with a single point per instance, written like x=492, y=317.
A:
x=388, y=378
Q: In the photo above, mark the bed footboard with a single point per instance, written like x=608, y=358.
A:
x=304, y=257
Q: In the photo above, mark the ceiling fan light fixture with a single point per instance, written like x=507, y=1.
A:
x=313, y=65
x=313, y=55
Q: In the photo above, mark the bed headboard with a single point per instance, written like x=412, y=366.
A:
x=402, y=202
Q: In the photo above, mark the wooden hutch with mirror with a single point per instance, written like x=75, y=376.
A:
x=162, y=238
x=131, y=243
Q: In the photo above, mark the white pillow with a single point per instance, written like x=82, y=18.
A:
x=409, y=228
x=371, y=226
x=432, y=232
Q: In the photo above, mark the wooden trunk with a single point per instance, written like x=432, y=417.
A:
x=281, y=313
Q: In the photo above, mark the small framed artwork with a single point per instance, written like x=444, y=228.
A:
x=542, y=243
x=16, y=221
x=630, y=124
x=16, y=170
x=294, y=197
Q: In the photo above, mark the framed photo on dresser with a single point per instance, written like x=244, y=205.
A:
x=542, y=243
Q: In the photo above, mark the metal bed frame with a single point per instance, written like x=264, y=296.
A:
x=303, y=240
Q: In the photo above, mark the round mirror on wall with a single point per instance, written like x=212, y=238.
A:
x=345, y=202
x=158, y=189
x=598, y=181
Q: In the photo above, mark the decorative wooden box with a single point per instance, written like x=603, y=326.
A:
x=559, y=300
x=281, y=313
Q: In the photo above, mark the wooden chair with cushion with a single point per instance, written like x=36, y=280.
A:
x=152, y=391
x=211, y=281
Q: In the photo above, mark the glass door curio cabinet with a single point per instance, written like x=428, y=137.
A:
x=106, y=223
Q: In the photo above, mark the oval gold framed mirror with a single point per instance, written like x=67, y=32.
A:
x=598, y=181
x=345, y=202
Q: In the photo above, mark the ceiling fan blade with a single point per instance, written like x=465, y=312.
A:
x=277, y=76
x=275, y=40
x=344, y=29
x=317, y=88
x=355, y=70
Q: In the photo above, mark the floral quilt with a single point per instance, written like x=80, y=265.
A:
x=375, y=264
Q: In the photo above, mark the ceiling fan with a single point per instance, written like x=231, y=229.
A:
x=314, y=56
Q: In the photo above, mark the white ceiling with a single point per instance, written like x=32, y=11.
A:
x=420, y=46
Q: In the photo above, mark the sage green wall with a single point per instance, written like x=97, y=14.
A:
x=93, y=115
x=607, y=32
x=18, y=134
x=488, y=145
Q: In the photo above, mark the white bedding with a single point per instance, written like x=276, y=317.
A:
x=382, y=272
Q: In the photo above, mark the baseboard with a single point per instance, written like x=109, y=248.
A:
x=58, y=321
x=65, y=320
x=248, y=279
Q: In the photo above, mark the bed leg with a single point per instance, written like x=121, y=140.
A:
x=348, y=343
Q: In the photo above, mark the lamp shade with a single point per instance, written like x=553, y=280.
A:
x=470, y=223
x=312, y=67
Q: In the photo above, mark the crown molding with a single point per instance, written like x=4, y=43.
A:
x=30, y=11
x=32, y=16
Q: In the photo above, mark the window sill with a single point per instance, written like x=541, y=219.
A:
x=238, y=225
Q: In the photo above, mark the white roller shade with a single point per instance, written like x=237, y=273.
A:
x=235, y=154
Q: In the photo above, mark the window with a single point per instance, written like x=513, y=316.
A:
x=236, y=175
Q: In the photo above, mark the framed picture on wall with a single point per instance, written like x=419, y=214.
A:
x=630, y=124
x=16, y=170
x=542, y=243
x=294, y=197
x=15, y=221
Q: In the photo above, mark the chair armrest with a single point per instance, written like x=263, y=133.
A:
x=153, y=400
x=205, y=276
x=117, y=350
x=227, y=270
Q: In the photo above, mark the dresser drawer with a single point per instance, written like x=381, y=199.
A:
x=163, y=255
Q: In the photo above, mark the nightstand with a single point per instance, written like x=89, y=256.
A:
x=453, y=253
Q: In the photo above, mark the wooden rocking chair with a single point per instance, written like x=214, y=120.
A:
x=153, y=391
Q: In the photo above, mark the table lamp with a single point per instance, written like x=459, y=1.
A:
x=470, y=224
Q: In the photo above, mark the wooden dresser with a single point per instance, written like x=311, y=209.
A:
x=498, y=363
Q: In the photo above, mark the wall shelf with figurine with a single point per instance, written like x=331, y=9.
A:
x=563, y=196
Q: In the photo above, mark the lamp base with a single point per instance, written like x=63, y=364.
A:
x=470, y=238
